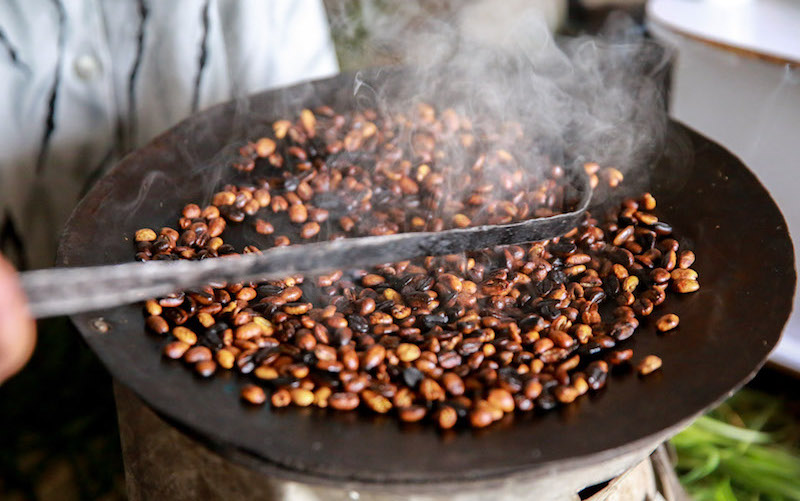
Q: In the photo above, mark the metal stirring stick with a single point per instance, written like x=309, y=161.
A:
x=62, y=291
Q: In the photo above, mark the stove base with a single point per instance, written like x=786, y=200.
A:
x=163, y=463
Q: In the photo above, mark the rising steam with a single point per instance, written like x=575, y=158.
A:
x=582, y=99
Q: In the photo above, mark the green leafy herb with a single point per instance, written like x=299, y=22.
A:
x=746, y=449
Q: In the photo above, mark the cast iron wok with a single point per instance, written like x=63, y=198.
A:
x=715, y=204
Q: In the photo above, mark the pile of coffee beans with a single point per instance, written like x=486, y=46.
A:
x=453, y=339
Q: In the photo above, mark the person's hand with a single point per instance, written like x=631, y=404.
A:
x=17, y=328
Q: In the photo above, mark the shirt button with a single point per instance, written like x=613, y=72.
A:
x=87, y=66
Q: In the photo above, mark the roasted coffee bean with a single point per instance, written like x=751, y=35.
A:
x=621, y=256
x=412, y=414
x=620, y=356
x=226, y=249
x=622, y=331
x=157, y=324
x=548, y=310
x=264, y=147
x=296, y=292
x=310, y=230
x=366, y=306
x=225, y=358
x=595, y=295
x=596, y=374
x=589, y=349
x=659, y=275
x=430, y=390
x=446, y=417
x=546, y=401
x=198, y=354
x=343, y=401
x=642, y=307
x=667, y=322
x=253, y=394
x=172, y=301
x=685, y=285
x=683, y=274
x=282, y=398
x=649, y=364
x=662, y=228
x=358, y=323
x=175, y=349
x=623, y=235
x=453, y=383
x=566, y=394
x=561, y=338
x=269, y=290
x=145, y=235
x=212, y=336
x=481, y=416
x=611, y=285
x=469, y=346
x=686, y=259
x=407, y=352
x=648, y=202
x=449, y=359
x=557, y=276
x=206, y=368
x=216, y=226
x=502, y=399
x=301, y=397
x=297, y=308
x=498, y=330
x=187, y=238
x=264, y=227
x=669, y=260
x=373, y=357
x=248, y=331
x=412, y=376
x=544, y=287
x=431, y=321
x=186, y=335
x=630, y=283
x=563, y=248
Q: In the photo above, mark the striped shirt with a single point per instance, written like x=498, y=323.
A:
x=85, y=81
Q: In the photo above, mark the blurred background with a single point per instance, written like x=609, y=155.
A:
x=735, y=78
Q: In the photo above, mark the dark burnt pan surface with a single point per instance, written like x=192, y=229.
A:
x=716, y=205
